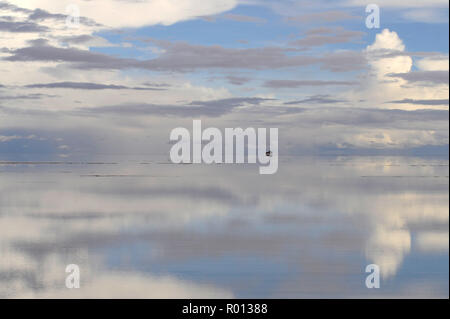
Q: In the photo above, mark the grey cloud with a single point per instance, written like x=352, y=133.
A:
x=237, y=80
x=87, y=39
x=25, y=97
x=243, y=18
x=212, y=108
x=208, y=18
x=49, y=53
x=234, y=17
x=21, y=27
x=89, y=86
x=157, y=85
x=353, y=117
x=379, y=118
x=422, y=102
x=78, y=39
x=179, y=57
x=299, y=83
x=39, y=15
x=344, y=61
x=320, y=30
x=316, y=99
x=389, y=53
x=235, y=102
x=29, y=25
x=38, y=42
x=436, y=77
x=322, y=36
x=325, y=16
x=182, y=57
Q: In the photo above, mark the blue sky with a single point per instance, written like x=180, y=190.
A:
x=275, y=30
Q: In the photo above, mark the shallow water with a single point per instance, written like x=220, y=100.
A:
x=141, y=227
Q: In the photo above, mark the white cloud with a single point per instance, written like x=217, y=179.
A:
x=388, y=56
x=433, y=64
x=388, y=40
x=8, y=138
x=117, y=13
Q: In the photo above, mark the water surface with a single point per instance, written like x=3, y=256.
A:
x=141, y=227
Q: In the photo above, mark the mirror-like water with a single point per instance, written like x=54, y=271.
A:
x=145, y=228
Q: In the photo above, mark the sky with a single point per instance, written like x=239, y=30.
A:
x=118, y=82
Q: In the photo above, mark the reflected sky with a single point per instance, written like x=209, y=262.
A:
x=141, y=227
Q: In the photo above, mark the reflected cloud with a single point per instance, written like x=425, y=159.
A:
x=120, y=286
x=387, y=248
